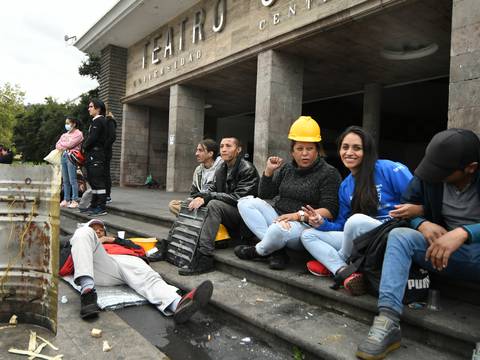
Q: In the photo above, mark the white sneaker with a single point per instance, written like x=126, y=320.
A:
x=64, y=203
x=73, y=204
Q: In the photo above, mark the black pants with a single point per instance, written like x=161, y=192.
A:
x=96, y=178
x=219, y=212
x=108, y=178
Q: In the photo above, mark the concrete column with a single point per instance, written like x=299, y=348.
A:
x=185, y=130
x=464, y=94
x=113, y=77
x=372, y=109
x=134, y=144
x=278, y=104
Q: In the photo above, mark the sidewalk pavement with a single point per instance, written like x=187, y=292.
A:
x=144, y=200
x=73, y=335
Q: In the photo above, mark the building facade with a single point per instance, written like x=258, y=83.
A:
x=174, y=72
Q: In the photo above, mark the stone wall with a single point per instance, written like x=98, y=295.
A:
x=159, y=145
x=464, y=101
x=134, y=142
x=113, y=74
x=249, y=26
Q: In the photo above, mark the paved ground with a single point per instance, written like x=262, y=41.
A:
x=141, y=201
x=73, y=335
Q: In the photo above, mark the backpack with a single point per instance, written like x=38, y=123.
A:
x=367, y=257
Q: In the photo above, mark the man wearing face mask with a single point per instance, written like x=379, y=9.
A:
x=94, y=148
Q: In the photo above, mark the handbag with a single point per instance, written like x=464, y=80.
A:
x=54, y=157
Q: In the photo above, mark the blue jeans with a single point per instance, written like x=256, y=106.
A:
x=333, y=248
x=405, y=245
x=69, y=177
x=259, y=216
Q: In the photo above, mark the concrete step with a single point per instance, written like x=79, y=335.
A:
x=132, y=226
x=317, y=331
x=453, y=329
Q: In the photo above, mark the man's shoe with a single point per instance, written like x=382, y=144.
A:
x=97, y=212
x=89, y=307
x=317, y=268
x=193, y=301
x=384, y=336
x=278, y=260
x=200, y=264
x=109, y=199
x=86, y=210
x=247, y=252
x=355, y=284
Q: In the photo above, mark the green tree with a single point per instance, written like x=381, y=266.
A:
x=90, y=67
x=11, y=105
x=39, y=128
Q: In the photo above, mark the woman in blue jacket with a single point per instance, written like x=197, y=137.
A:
x=366, y=197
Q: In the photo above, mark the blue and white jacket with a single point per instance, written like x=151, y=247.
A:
x=391, y=179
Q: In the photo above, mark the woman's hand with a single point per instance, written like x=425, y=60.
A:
x=273, y=164
x=314, y=218
x=406, y=211
x=283, y=220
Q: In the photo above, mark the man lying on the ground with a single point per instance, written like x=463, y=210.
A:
x=93, y=265
x=446, y=240
x=235, y=178
x=208, y=159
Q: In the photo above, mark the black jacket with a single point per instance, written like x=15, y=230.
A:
x=111, y=134
x=243, y=181
x=97, y=136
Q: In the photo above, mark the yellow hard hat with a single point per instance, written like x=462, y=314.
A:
x=305, y=129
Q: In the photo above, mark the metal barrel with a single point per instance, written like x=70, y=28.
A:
x=29, y=231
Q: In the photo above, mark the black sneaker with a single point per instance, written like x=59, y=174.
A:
x=97, y=212
x=200, y=264
x=247, y=252
x=89, y=307
x=278, y=260
x=109, y=199
x=384, y=336
x=193, y=301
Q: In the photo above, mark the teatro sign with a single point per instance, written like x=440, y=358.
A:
x=180, y=44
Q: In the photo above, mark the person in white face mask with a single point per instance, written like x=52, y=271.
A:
x=70, y=140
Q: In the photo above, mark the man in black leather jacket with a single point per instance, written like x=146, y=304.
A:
x=234, y=179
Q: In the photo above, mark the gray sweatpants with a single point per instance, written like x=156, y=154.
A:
x=91, y=259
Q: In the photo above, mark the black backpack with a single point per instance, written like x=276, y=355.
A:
x=367, y=257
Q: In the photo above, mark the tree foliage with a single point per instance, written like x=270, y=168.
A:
x=90, y=67
x=11, y=105
x=39, y=128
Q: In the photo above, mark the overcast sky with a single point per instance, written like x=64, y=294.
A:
x=33, y=52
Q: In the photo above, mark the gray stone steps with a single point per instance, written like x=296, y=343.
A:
x=132, y=225
x=453, y=329
x=314, y=329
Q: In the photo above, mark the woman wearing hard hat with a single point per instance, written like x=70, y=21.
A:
x=306, y=179
x=368, y=196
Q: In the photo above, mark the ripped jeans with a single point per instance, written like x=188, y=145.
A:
x=259, y=216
